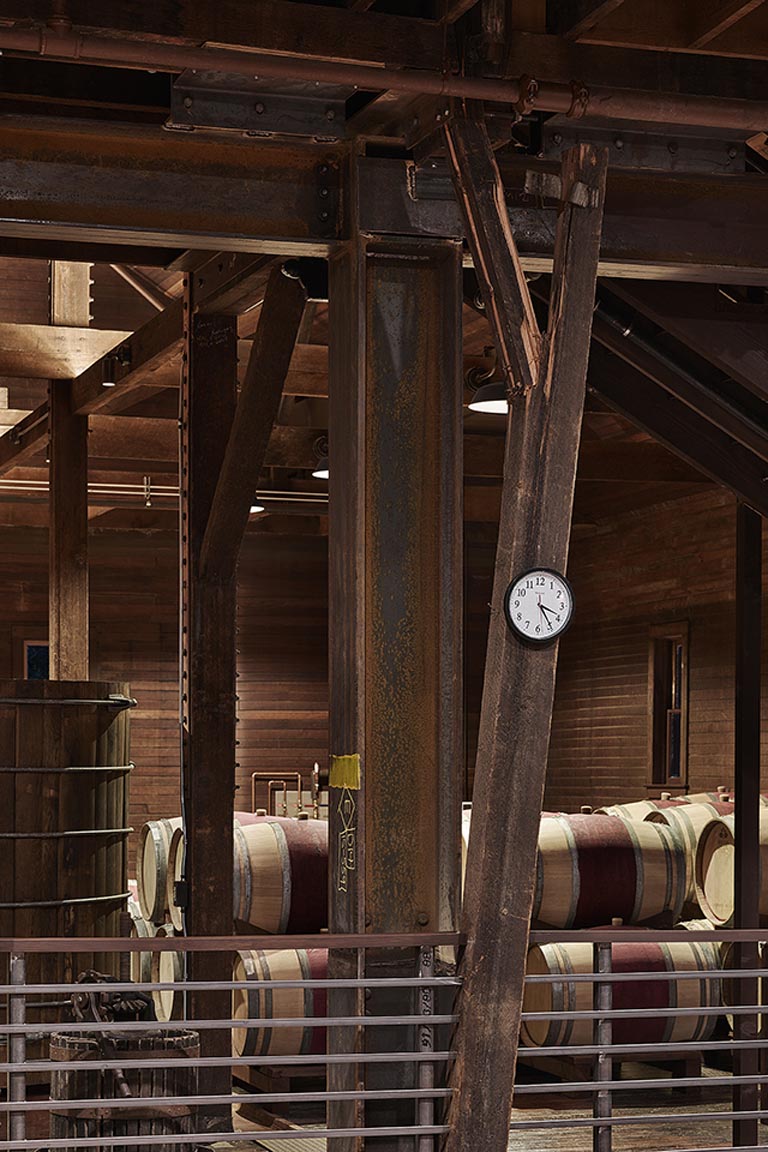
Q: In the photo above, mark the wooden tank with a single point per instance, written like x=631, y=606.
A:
x=64, y=770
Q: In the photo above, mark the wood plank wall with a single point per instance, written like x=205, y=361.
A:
x=668, y=563
x=283, y=647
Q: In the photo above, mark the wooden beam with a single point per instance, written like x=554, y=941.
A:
x=68, y=611
x=713, y=17
x=208, y=397
x=572, y=18
x=453, y=10
x=543, y=431
x=679, y=427
x=43, y=352
x=733, y=337
x=256, y=414
x=68, y=603
x=143, y=285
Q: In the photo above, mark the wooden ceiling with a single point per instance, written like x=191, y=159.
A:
x=699, y=337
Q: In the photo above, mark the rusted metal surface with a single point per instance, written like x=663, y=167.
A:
x=528, y=92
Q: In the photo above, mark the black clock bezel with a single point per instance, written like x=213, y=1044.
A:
x=523, y=636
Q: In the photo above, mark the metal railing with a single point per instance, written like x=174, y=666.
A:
x=414, y=1039
x=732, y=1058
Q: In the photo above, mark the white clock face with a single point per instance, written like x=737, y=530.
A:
x=538, y=605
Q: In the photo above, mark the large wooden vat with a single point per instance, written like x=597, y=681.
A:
x=64, y=768
x=713, y=873
x=592, y=869
x=689, y=821
x=564, y=995
x=279, y=1003
x=281, y=874
x=147, y=1116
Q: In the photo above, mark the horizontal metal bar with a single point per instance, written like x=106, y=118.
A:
x=632, y=1085
x=633, y=1013
x=644, y=1118
x=227, y=943
x=646, y=935
x=63, y=835
x=236, y=1098
x=32, y=1066
x=52, y=771
x=632, y=977
x=664, y=1047
x=219, y=1137
x=74, y=944
x=105, y=702
x=114, y=1028
x=232, y=985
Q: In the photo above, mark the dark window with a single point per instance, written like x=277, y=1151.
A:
x=36, y=665
x=668, y=698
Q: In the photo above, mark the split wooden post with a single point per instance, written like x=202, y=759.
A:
x=68, y=617
x=208, y=399
x=395, y=629
x=546, y=382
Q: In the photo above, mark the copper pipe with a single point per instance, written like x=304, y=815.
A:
x=530, y=94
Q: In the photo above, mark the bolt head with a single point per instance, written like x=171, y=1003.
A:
x=330, y=114
x=259, y=108
x=187, y=101
x=618, y=143
x=557, y=139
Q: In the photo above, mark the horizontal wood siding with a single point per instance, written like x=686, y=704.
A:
x=134, y=637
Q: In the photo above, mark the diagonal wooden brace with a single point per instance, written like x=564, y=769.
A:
x=543, y=432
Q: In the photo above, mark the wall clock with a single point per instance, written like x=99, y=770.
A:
x=538, y=605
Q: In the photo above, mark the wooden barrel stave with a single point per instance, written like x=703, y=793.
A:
x=591, y=869
x=565, y=995
x=688, y=822
x=279, y=1003
x=166, y=967
x=281, y=869
x=714, y=869
x=152, y=867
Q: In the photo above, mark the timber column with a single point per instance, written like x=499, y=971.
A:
x=208, y=400
x=395, y=614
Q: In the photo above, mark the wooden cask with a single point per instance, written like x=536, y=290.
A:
x=149, y=1116
x=167, y=967
x=689, y=821
x=152, y=867
x=592, y=869
x=281, y=875
x=279, y=1003
x=564, y=995
x=638, y=809
x=713, y=872
x=141, y=962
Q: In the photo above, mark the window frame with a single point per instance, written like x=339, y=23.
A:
x=674, y=631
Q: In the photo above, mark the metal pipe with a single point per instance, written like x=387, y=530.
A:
x=17, y=1081
x=426, y=1109
x=602, y=999
x=530, y=94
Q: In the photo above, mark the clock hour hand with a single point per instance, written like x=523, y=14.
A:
x=544, y=610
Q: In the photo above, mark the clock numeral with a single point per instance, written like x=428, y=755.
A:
x=538, y=627
x=517, y=603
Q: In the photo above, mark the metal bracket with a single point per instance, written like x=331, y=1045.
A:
x=222, y=101
x=549, y=186
x=666, y=148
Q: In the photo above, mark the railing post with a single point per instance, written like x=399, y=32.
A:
x=426, y=1110
x=602, y=998
x=17, y=1047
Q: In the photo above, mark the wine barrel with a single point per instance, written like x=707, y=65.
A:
x=721, y=796
x=141, y=962
x=689, y=821
x=564, y=995
x=167, y=967
x=152, y=867
x=148, y=1117
x=638, y=809
x=713, y=872
x=279, y=1003
x=281, y=874
x=591, y=869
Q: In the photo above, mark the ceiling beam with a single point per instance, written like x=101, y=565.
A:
x=732, y=336
x=307, y=31
x=572, y=18
x=674, y=424
x=713, y=17
x=47, y=352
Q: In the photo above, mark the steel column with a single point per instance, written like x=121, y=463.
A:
x=395, y=596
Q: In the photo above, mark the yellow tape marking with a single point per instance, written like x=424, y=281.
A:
x=345, y=772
